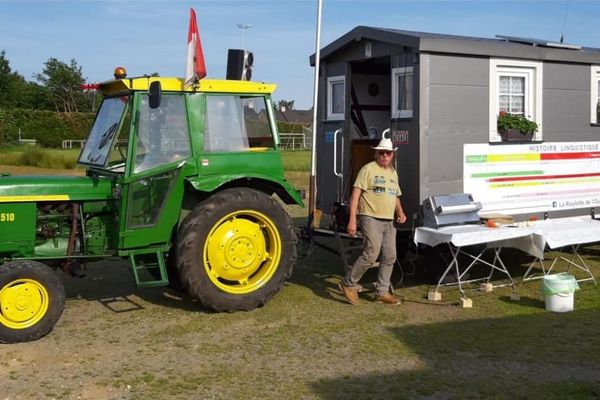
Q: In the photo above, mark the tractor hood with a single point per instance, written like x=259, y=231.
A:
x=53, y=188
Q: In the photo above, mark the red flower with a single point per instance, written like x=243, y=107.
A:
x=492, y=224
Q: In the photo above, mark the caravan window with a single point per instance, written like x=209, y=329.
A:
x=595, y=98
x=515, y=88
x=402, y=92
x=511, y=93
x=335, y=97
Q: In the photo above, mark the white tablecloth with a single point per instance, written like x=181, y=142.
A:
x=561, y=232
x=526, y=239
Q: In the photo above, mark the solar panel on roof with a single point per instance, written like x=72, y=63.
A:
x=538, y=42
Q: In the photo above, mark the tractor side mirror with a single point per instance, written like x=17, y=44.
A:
x=154, y=94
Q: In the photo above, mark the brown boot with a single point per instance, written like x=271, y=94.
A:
x=388, y=298
x=350, y=294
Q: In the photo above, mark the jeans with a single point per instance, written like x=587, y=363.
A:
x=379, y=239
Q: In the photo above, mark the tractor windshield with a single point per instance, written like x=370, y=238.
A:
x=104, y=131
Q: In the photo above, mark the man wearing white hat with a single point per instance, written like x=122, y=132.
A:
x=375, y=199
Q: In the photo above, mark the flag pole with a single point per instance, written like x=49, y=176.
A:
x=195, y=68
x=312, y=189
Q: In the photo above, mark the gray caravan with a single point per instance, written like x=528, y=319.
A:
x=437, y=92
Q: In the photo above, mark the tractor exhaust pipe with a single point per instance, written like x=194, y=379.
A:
x=73, y=267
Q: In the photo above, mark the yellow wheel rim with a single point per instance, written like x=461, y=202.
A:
x=23, y=303
x=242, y=252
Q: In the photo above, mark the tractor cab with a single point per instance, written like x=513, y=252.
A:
x=167, y=146
x=159, y=134
x=144, y=157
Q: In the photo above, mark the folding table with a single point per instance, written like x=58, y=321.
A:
x=461, y=237
x=570, y=233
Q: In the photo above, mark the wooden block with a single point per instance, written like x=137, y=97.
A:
x=316, y=222
x=465, y=302
x=434, y=296
x=487, y=287
x=515, y=297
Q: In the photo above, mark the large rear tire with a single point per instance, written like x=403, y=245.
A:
x=32, y=299
x=236, y=249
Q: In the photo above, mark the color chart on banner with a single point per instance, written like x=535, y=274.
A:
x=526, y=178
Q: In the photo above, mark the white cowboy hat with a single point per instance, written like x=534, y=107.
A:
x=385, y=143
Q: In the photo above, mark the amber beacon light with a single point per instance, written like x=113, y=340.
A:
x=120, y=73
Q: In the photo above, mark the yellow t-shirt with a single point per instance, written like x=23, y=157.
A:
x=380, y=189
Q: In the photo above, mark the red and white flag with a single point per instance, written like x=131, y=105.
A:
x=195, y=68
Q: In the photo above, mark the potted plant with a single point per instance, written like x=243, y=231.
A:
x=513, y=127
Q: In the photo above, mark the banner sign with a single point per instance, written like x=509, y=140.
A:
x=527, y=178
x=399, y=137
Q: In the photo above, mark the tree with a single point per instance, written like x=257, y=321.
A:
x=11, y=84
x=63, y=83
x=284, y=105
x=36, y=97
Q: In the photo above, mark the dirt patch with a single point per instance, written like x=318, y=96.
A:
x=115, y=341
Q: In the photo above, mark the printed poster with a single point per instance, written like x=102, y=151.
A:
x=528, y=178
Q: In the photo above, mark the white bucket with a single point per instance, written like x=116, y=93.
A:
x=559, y=292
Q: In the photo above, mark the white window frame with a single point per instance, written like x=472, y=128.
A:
x=595, y=96
x=526, y=89
x=407, y=73
x=533, y=74
x=331, y=116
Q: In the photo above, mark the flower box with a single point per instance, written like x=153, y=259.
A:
x=515, y=128
x=515, y=135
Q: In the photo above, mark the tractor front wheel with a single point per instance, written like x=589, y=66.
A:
x=236, y=249
x=32, y=299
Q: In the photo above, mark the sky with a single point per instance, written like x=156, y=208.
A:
x=151, y=36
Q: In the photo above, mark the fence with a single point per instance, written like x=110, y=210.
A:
x=78, y=144
x=295, y=141
x=68, y=144
x=30, y=142
x=288, y=141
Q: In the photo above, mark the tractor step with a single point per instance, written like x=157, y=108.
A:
x=149, y=268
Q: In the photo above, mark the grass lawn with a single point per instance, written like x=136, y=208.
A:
x=30, y=156
x=116, y=341
x=296, y=161
x=307, y=343
x=32, y=161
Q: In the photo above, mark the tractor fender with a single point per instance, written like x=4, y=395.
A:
x=267, y=184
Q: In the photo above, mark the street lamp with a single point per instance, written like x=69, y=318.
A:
x=244, y=28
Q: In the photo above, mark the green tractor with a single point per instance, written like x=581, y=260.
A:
x=178, y=180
